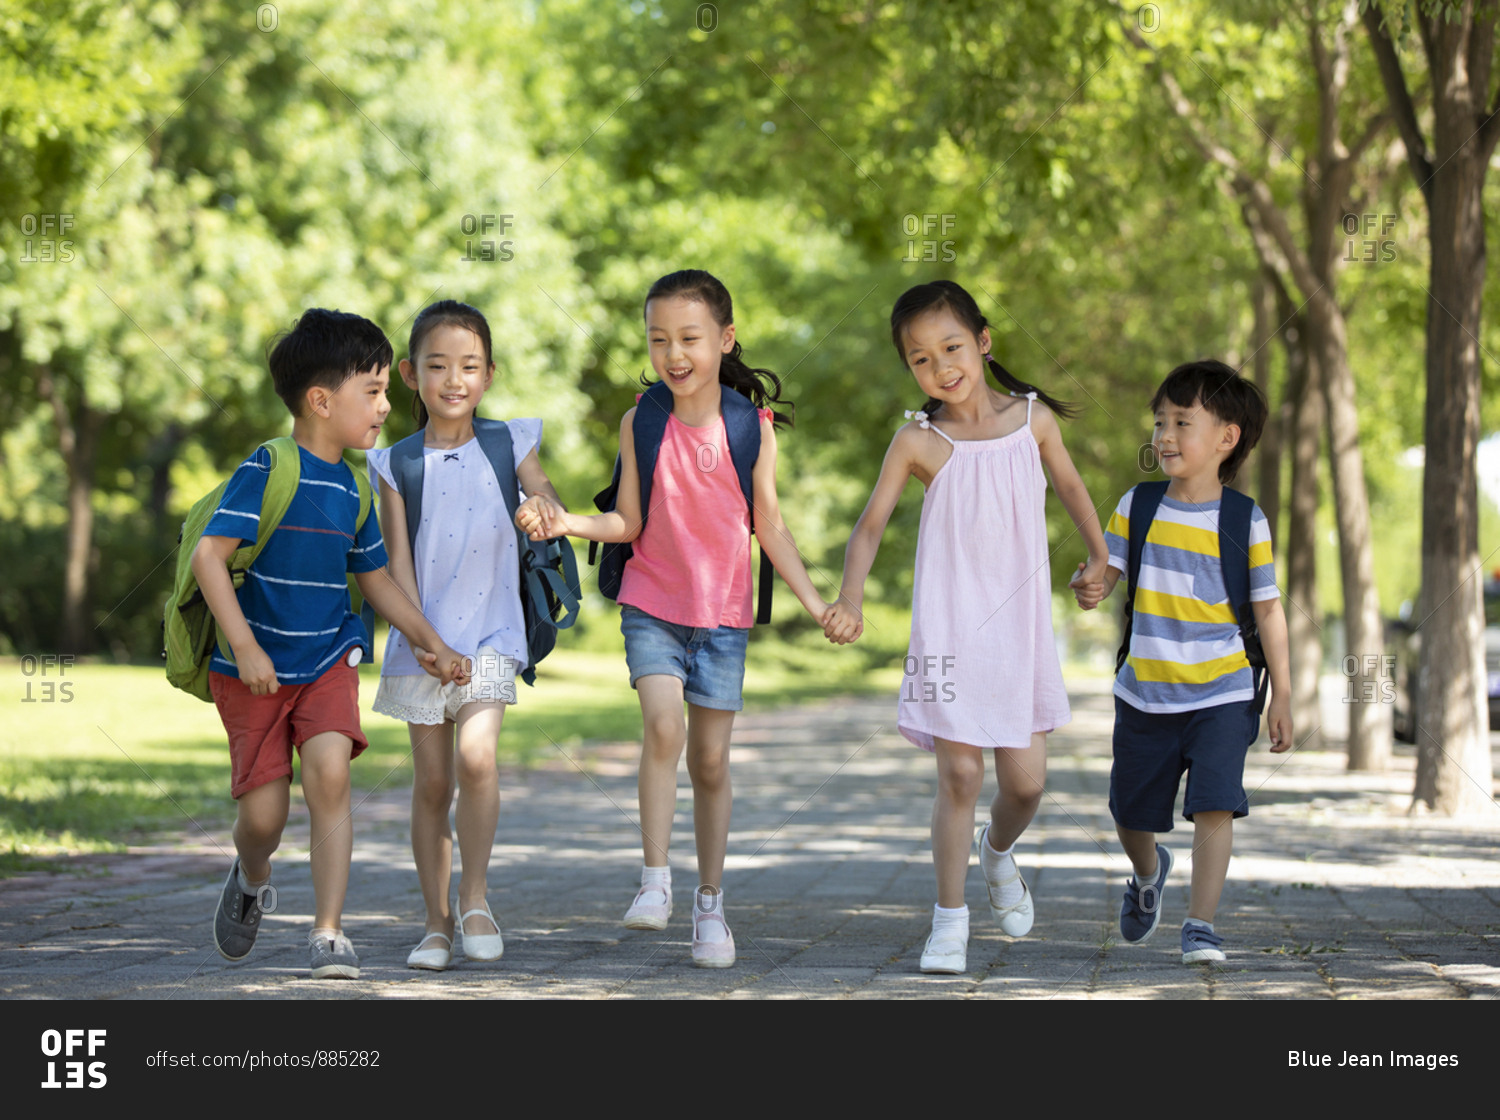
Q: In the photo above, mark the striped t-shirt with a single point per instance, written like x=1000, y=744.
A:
x=296, y=595
x=1185, y=647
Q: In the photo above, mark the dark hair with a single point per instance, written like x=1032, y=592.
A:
x=946, y=295
x=325, y=349
x=762, y=386
x=444, y=313
x=1225, y=394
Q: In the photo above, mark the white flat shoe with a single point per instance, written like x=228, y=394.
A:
x=435, y=958
x=945, y=953
x=480, y=946
x=1014, y=920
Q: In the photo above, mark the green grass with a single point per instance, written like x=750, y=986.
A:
x=129, y=756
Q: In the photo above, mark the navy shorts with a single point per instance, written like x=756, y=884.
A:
x=1152, y=749
x=709, y=661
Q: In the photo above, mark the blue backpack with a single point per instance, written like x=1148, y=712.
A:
x=548, y=576
x=1235, y=511
x=741, y=430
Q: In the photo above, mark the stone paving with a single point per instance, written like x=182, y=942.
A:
x=1334, y=892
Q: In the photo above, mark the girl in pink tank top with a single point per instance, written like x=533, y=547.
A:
x=982, y=669
x=685, y=593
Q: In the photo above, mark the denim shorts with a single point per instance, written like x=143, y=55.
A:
x=709, y=661
x=1152, y=749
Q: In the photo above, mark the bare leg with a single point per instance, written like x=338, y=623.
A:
x=325, y=786
x=960, y=778
x=1140, y=849
x=260, y=816
x=478, y=806
x=664, y=736
x=1213, y=839
x=713, y=797
x=431, y=838
x=1022, y=775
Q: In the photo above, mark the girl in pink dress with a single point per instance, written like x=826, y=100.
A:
x=685, y=594
x=982, y=670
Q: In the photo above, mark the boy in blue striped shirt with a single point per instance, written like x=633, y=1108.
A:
x=286, y=681
x=1185, y=696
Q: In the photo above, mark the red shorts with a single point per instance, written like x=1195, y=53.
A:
x=263, y=730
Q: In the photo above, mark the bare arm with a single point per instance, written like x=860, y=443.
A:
x=1270, y=620
x=774, y=536
x=622, y=524
x=542, y=507
x=211, y=569
x=401, y=563
x=847, y=624
x=380, y=589
x=1071, y=491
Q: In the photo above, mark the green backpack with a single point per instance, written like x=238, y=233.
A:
x=188, y=627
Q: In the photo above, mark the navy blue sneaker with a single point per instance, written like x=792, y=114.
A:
x=1200, y=944
x=1141, y=910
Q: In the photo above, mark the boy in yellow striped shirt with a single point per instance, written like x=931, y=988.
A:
x=1186, y=696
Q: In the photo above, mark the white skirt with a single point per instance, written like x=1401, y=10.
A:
x=423, y=699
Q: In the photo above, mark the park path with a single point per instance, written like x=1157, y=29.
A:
x=1334, y=890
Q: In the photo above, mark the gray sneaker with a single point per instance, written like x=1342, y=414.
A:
x=333, y=958
x=237, y=919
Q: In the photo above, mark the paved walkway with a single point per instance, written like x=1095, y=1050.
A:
x=1334, y=890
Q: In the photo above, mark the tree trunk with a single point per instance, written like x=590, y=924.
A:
x=1454, y=772
x=1370, y=723
x=1303, y=617
x=1265, y=464
x=78, y=439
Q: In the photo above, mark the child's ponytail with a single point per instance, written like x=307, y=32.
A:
x=762, y=386
x=941, y=294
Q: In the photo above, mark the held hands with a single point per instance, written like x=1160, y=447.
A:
x=843, y=623
x=1279, y=725
x=1088, y=584
x=540, y=518
x=446, y=664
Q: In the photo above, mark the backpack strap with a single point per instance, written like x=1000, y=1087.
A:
x=1235, y=512
x=648, y=428
x=276, y=498
x=1144, y=502
x=742, y=432
x=407, y=464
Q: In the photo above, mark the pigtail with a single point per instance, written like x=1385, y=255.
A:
x=946, y=294
x=762, y=386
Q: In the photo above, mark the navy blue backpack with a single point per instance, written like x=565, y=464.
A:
x=548, y=569
x=742, y=431
x=1235, y=510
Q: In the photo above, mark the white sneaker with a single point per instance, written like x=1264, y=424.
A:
x=947, y=951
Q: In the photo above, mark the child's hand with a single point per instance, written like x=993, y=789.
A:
x=1088, y=585
x=256, y=671
x=446, y=664
x=843, y=624
x=1279, y=725
x=540, y=518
